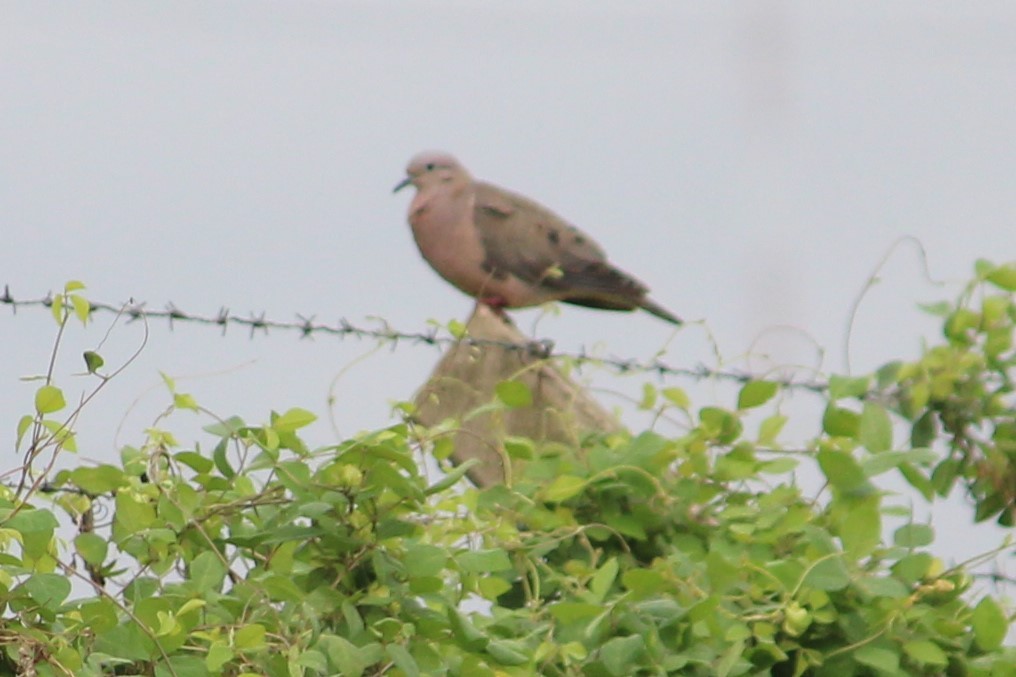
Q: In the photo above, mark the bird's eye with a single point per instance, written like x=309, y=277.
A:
x=430, y=166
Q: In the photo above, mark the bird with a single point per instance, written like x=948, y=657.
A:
x=508, y=251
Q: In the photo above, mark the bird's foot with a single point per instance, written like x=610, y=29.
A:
x=496, y=304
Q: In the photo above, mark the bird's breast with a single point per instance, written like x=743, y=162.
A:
x=448, y=239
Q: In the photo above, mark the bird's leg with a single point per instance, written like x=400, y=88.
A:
x=497, y=304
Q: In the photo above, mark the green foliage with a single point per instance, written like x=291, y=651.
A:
x=959, y=396
x=254, y=554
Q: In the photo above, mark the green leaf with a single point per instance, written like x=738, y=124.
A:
x=99, y=615
x=141, y=588
x=996, y=308
x=778, y=466
x=839, y=422
x=73, y=285
x=575, y=612
x=91, y=547
x=190, y=605
x=840, y=469
x=452, y=477
x=722, y=573
x=913, y=567
x=881, y=659
x=770, y=429
x=998, y=341
x=36, y=529
x=466, y=634
x=959, y=323
x=345, y=657
x=738, y=464
x=914, y=536
x=125, y=642
x=403, y=660
x=226, y=428
x=48, y=590
x=564, y=487
x=620, y=654
x=982, y=267
x=218, y=655
x=57, y=308
x=990, y=625
x=63, y=435
x=861, y=529
x=492, y=587
x=352, y=617
x=517, y=447
x=642, y=582
x=940, y=309
x=181, y=665
x=424, y=560
x=1003, y=277
x=841, y=387
x=876, y=586
x=131, y=516
x=483, y=561
x=756, y=393
x=185, y=402
x=169, y=382
x=282, y=589
x=729, y=658
x=885, y=461
x=720, y=423
x=49, y=399
x=829, y=574
x=207, y=571
x=197, y=462
x=221, y=460
x=888, y=374
x=508, y=652
x=649, y=394
x=315, y=661
x=93, y=361
x=918, y=480
x=391, y=528
x=944, y=476
x=294, y=419
x=101, y=479
x=515, y=394
x=24, y=423
x=926, y=652
x=457, y=329
x=601, y=581
x=677, y=397
x=81, y=307
x=250, y=637
x=875, y=430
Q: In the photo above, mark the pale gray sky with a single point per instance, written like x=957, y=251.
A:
x=750, y=161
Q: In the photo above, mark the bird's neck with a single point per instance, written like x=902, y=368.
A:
x=444, y=203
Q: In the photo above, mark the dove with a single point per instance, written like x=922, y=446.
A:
x=508, y=251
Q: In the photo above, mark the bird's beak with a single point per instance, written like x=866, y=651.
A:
x=403, y=183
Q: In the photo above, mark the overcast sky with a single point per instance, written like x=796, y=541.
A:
x=751, y=162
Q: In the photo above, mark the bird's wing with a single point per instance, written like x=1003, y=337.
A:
x=524, y=239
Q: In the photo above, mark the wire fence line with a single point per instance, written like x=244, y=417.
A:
x=435, y=336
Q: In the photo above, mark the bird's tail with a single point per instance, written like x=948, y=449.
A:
x=660, y=312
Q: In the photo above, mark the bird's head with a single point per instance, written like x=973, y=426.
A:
x=431, y=168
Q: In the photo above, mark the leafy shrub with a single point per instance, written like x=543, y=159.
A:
x=626, y=554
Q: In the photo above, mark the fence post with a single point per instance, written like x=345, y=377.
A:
x=464, y=380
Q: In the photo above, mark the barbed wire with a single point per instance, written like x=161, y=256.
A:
x=308, y=326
